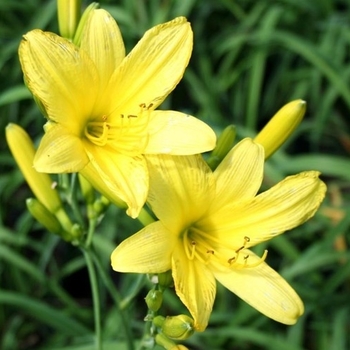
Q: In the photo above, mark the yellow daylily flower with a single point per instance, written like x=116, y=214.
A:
x=101, y=104
x=207, y=223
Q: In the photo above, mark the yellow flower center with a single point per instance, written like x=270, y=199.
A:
x=109, y=129
x=208, y=250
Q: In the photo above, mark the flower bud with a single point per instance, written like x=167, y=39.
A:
x=23, y=151
x=68, y=12
x=46, y=218
x=154, y=299
x=87, y=190
x=178, y=327
x=224, y=144
x=168, y=344
x=100, y=205
x=165, y=342
x=165, y=279
x=281, y=126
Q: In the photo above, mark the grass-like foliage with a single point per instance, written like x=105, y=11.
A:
x=250, y=58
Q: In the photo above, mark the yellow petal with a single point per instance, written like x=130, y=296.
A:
x=123, y=176
x=60, y=152
x=177, y=133
x=147, y=251
x=92, y=176
x=195, y=286
x=153, y=68
x=61, y=76
x=102, y=40
x=264, y=289
x=239, y=175
x=286, y=205
x=181, y=189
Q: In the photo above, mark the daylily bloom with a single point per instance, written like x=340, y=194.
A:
x=101, y=104
x=207, y=223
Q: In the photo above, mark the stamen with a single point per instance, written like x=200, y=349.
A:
x=262, y=259
x=189, y=252
x=234, y=260
x=193, y=250
x=246, y=240
x=93, y=132
x=231, y=260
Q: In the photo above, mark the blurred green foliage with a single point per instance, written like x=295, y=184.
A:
x=250, y=58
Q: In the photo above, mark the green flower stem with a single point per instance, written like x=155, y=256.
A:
x=90, y=235
x=95, y=296
x=116, y=297
x=145, y=218
x=72, y=199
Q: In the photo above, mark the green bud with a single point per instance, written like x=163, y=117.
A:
x=178, y=327
x=100, y=205
x=224, y=144
x=46, y=218
x=165, y=279
x=76, y=231
x=154, y=299
x=158, y=321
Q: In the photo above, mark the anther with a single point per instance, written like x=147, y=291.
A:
x=246, y=240
x=231, y=260
x=193, y=250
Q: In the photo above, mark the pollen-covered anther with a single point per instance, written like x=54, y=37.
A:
x=145, y=107
x=210, y=253
x=128, y=116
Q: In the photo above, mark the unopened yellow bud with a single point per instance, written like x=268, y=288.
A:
x=23, y=151
x=281, y=126
x=68, y=12
x=154, y=299
x=223, y=146
x=178, y=327
x=46, y=218
x=84, y=18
